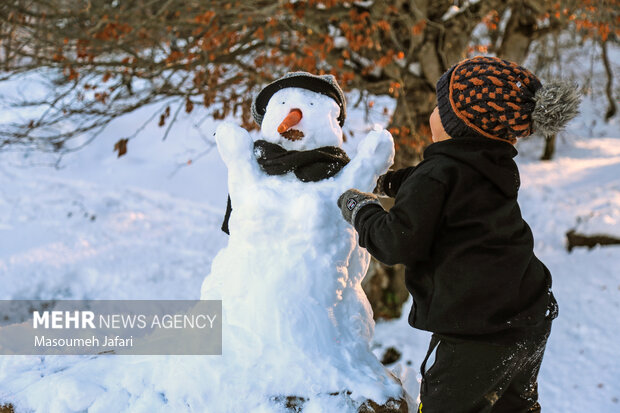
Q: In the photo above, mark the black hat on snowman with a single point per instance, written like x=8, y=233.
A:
x=323, y=84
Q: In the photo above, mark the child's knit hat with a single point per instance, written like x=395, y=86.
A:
x=494, y=98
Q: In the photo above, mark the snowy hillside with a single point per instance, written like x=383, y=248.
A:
x=147, y=226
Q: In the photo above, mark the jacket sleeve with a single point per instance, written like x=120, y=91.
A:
x=394, y=179
x=405, y=234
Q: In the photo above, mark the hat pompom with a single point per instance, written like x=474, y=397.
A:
x=557, y=102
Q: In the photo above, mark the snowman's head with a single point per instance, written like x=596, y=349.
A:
x=301, y=111
x=299, y=119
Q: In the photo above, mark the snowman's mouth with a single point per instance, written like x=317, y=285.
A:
x=293, y=135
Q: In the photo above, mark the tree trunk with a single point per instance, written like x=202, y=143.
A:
x=519, y=32
x=549, y=148
x=385, y=288
x=611, y=105
x=575, y=239
x=412, y=110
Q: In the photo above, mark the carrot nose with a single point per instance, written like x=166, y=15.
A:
x=290, y=120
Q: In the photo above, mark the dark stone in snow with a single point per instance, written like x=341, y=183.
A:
x=295, y=404
x=390, y=356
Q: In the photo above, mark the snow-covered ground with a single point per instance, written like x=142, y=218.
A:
x=147, y=226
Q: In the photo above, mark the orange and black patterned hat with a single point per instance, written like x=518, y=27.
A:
x=487, y=97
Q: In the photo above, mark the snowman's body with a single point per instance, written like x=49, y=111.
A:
x=290, y=276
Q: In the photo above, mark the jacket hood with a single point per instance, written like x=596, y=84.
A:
x=493, y=159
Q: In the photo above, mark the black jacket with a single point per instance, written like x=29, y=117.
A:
x=457, y=227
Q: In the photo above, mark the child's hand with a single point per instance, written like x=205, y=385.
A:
x=351, y=201
x=380, y=188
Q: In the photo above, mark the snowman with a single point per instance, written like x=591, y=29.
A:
x=295, y=318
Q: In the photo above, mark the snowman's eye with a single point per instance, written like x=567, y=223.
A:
x=283, y=103
x=311, y=103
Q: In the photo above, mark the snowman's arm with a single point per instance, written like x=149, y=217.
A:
x=236, y=149
x=374, y=156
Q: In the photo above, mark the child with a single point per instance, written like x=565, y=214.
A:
x=456, y=225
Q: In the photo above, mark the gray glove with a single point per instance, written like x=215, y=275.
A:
x=352, y=201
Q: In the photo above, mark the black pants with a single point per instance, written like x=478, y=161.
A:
x=474, y=377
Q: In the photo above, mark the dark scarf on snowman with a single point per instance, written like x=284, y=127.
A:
x=308, y=166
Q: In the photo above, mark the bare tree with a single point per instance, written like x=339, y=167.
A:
x=110, y=58
x=592, y=26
